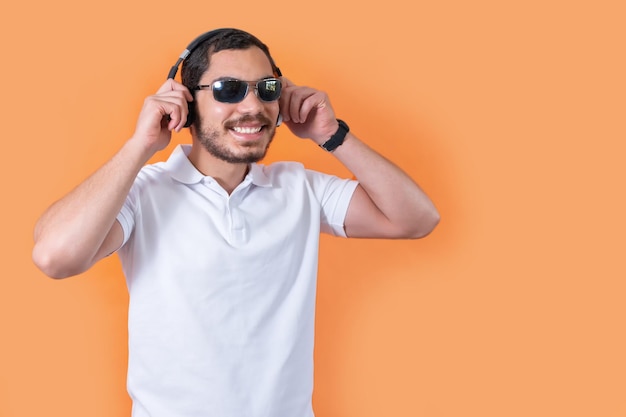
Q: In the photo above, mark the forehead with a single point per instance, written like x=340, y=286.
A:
x=245, y=64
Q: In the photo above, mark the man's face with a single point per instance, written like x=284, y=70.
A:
x=236, y=132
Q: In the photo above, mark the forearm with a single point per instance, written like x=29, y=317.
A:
x=69, y=235
x=408, y=212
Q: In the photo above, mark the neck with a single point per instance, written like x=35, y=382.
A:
x=227, y=175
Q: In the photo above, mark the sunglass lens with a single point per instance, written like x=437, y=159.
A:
x=229, y=91
x=269, y=90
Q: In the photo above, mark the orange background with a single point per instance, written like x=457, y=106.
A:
x=509, y=114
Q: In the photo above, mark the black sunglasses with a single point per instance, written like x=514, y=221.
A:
x=234, y=91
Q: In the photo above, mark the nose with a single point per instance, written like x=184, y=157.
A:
x=251, y=104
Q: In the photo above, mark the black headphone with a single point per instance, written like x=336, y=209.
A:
x=193, y=45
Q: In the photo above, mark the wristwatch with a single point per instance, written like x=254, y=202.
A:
x=337, y=139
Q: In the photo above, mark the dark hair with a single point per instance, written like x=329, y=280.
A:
x=198, y=61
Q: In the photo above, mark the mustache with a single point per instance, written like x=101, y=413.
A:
x=260, y=118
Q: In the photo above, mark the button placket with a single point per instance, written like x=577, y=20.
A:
x=238, y=231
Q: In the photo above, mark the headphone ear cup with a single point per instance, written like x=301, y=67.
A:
x=191, y=114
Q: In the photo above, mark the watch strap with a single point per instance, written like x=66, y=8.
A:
x=337, y=139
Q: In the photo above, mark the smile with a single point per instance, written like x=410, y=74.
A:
x=247, y=130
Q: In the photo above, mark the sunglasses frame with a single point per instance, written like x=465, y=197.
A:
x=255, y=84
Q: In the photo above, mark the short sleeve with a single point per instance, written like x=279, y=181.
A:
x=334, y=195
x=126, y=216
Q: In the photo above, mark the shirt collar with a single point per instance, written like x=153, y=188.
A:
x=182, y=170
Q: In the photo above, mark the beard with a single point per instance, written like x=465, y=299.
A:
x=216, y=143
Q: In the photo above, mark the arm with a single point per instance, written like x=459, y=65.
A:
x=387, y=203
x=81, y=228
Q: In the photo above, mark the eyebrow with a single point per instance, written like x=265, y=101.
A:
x=226, y=78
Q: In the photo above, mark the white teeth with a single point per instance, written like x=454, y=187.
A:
x=246, y=130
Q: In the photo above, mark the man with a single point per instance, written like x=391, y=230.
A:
x=219, y=252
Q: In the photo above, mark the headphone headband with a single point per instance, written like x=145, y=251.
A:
x=200, y=39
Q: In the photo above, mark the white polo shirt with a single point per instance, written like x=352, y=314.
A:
x=222, y=288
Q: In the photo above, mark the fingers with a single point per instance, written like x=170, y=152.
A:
x=307, y=112
x=173, y=85
x=171, y=102
x=162, y=113
x=297, y=103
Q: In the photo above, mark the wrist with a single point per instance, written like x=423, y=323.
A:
x=142, y=149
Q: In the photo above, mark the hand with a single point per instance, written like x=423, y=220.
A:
x=307, y=112
x=161, y=113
